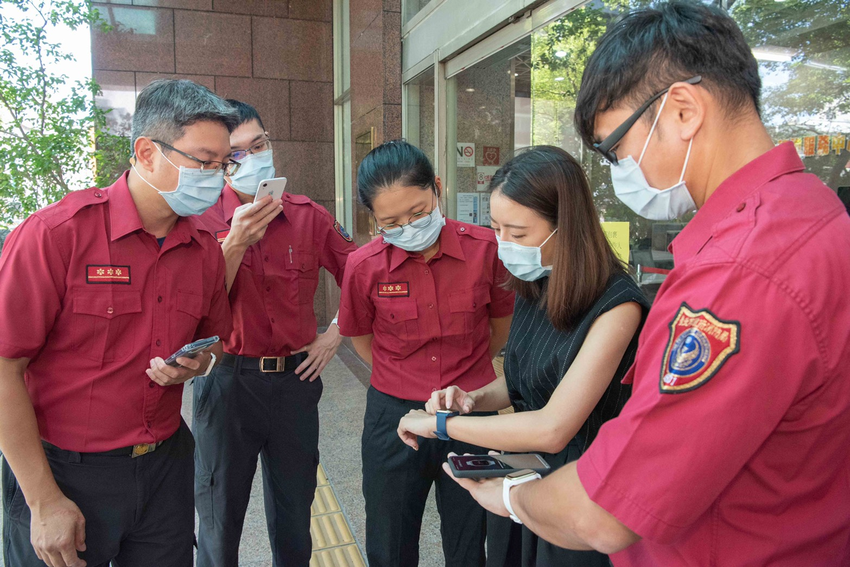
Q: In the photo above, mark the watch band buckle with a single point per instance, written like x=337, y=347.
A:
x=143, y=449
x=279, y=362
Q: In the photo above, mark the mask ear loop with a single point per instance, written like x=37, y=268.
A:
x=654, y=124
x=687, y=157
x=547, y=238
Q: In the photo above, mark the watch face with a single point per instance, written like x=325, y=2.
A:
x=520, y=474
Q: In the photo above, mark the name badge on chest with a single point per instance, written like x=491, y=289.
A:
x=107, y=274
x=393, y=289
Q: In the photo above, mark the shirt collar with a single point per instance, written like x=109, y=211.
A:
x=781, y=160
x=124, y=216
x=449, y=245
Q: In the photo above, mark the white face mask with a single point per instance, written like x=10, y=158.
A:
x=196, y=190
x=632, y=188
x=253, y=169
x=524, y=262
x=416, y=239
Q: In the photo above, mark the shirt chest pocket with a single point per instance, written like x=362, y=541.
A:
x=186, y=316
x=302, y=269
x=469, y=311
x=397, y=325
x=106, y=323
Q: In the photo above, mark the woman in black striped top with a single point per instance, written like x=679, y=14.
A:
x=573, y=337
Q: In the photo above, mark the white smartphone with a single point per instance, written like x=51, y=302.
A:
x=273, y=187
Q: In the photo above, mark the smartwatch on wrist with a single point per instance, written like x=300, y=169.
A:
x=511, y=480
x=442, y=416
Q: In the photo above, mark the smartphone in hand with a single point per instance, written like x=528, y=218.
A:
x=273, y=187
x=191, y=350
x=489, y=466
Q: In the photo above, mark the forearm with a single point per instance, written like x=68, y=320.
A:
x=233, y=254
x=492, y=397
x=517, y=432
x=559, y=510
x=20, y=441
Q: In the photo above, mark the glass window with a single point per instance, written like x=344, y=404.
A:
x=419, y=113
x=410, y=8
x=525, y=95
x=342, y=115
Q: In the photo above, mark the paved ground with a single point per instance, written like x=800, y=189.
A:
x=341, y=417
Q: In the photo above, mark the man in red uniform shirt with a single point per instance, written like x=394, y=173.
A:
x=263, y=398
x=95, y=291
x=733, y=449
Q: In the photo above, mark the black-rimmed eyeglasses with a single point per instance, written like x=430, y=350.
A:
x=229, y=168
x=416, y=220
x=604, y=147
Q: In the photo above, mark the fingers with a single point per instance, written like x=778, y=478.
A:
x=312, y=371
x=80, y=534
x=407, y=437
x=450, y=396
x=435, y=402
x=166, y=375
x=305, y=364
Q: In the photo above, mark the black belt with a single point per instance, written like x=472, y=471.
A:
x=266, y=364
x=132, y=451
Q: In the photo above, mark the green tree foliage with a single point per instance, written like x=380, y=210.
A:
x=48, y=126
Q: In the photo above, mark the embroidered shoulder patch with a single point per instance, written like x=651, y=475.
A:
x=107, y=274
x=341, y=231
x=221, y=235
x=395, y=289
x=700, y=344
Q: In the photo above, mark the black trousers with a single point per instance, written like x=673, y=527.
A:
x=396, y=482
x=241, y=414
x=138, y=511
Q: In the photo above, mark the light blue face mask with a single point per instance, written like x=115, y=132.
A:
x=253, y=169
x=524, y=262
x=196, y=190
x=417, y=239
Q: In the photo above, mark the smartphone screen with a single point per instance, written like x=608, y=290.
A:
x=498, y=465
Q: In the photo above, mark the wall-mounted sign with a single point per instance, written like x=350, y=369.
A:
x=485, y=174
x=465, y=154
x=491, y=155
x=467, y=207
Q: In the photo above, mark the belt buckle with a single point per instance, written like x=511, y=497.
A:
x=143, y=449
x=277, y=366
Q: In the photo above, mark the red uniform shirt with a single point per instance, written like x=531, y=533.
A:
x=734, y=448
x=90, y=298
x=272, y=295
x=430, y=320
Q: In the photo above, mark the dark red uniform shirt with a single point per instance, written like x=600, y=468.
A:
x=90, y=298
x=272, y=295
x=430, y=320
x=734, y=448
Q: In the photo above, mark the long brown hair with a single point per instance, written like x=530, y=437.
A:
x=549, y=181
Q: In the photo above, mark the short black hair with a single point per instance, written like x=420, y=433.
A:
x=396, y=161
x=650, y=49
x=245, y=111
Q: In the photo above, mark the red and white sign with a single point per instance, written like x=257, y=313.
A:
x=491, y=155
x=485, y=174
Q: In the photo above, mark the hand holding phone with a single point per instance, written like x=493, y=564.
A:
x=191, y=350
x=489, y=466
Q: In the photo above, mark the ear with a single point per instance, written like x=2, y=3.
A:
x=144, y=150
x=439, y=184
x=690, y=102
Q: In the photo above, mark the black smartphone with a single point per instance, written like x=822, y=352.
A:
x=191, y=350
x=488, y=466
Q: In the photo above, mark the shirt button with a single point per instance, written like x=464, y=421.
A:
x=151, y=385
x=150, y=424
x=269, y=288
x=434, y=358
x=430, y=306
x=272, y=320
x=266, y=258
x=741, y=207
x=110, y=310
x=98, y=194
x=159, y=299
x=462, y=229
x=158, y=342
x=302, y=266
x=427, y=272
x=474, y=304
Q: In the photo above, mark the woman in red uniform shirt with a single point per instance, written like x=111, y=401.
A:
x=424, y=305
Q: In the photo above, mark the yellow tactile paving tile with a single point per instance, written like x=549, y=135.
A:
x=346, y=556
x=321, y=477
x=330, y=530
x=324, y=502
